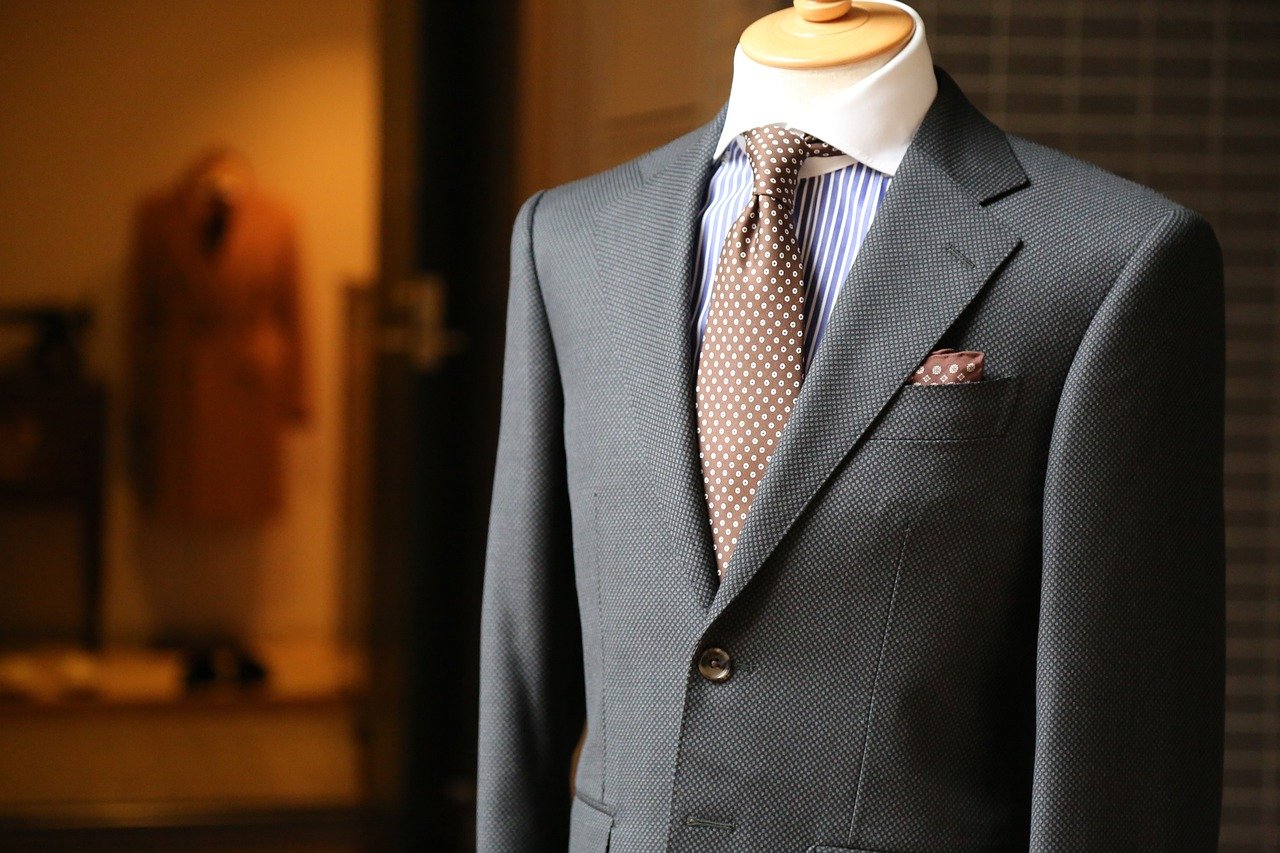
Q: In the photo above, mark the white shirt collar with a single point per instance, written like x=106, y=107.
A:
x=873, y=120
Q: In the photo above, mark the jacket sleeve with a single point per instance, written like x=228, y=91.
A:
x=531, y=678
x=1131, y=645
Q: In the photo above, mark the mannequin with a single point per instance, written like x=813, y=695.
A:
x=812, y=74
x=827, y=33
x=814, y=65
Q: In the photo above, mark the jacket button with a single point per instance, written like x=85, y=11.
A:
x=714, y=664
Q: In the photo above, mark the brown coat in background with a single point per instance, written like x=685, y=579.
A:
x=217, y=345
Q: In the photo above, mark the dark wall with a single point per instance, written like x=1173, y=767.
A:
x=467, y=136
x=448, y=165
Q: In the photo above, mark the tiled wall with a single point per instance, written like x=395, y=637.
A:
x=1182, y=95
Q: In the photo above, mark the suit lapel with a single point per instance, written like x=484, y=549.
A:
x=930, y=250
x=645, y=244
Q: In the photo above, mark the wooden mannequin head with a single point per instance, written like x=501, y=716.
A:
x=826, y=33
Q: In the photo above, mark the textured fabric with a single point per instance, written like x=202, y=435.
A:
x=949, y=366
x=1047, y=675
x=832, y=212
x=752, y=356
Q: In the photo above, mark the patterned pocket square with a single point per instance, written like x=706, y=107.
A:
x=948, y=367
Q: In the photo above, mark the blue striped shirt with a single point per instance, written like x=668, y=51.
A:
x=832, y=213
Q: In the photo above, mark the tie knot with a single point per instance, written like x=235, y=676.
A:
x=777, y=153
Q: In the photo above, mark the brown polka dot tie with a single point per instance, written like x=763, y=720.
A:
x=751, y=364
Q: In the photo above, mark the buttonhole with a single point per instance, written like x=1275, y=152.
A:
x=694, y=820
x=962, y=256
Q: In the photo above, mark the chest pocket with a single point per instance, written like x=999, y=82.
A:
x=963, y=411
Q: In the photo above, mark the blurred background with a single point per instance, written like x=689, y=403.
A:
x=252, y=295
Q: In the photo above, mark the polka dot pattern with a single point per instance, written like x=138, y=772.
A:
x=949, y=366
x=751, y=363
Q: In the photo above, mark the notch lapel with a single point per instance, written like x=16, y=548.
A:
x=645, y=242
x=931, y=249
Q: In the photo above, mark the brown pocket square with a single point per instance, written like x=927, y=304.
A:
x=948, y=367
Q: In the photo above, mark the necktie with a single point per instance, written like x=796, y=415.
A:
x=750, y=366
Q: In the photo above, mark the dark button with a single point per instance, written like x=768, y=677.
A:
x=714, y=664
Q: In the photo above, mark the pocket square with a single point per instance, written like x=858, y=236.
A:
x=948, y=367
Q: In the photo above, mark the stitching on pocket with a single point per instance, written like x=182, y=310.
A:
x=875, y=680
x=1008, y=396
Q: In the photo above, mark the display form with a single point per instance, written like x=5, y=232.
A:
x=979, y=613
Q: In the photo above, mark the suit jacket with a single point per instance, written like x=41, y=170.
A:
x=969, y=617
x=217, y=351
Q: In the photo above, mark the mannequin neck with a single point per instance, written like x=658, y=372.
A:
x=791, y=95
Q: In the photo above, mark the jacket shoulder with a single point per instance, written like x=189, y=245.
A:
x=1077, y=181
x=1086, y=207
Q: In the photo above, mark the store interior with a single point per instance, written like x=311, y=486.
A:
x=252, y=291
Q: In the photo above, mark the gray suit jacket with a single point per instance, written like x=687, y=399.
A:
x=967, y=617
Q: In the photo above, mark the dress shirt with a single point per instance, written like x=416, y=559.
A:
x=872, y=121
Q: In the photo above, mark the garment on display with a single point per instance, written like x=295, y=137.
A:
x=984, y=611
x=217, y=342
